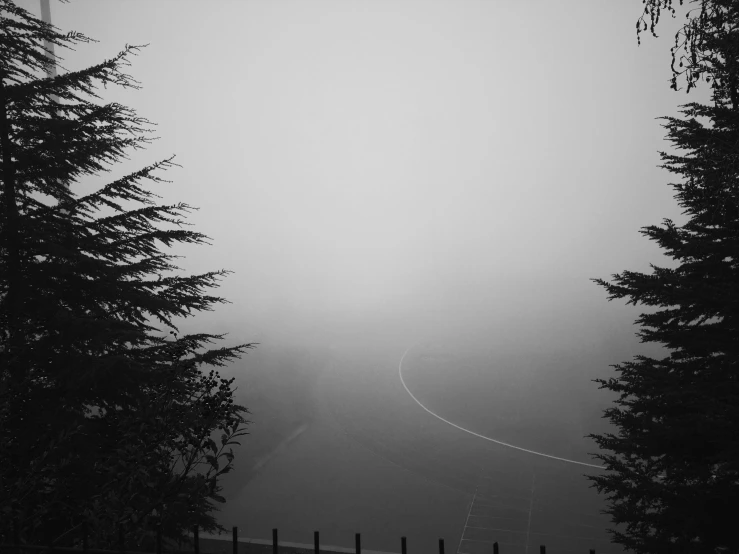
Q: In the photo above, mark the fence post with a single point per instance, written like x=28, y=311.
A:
x=274, y=541
x=316, y=549
x=159, y=537
x=441, y=546
x=121, y=542
x=403, y=546
x=592, y=551
x=84, y=536
x=495, y=547
x=357, y=544
x=542, y=549
x=197, y=541
x=236, y=540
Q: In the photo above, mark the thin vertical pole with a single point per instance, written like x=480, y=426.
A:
x=236, y=540
x=159, y=537
x=592, y=551
x=121, y=542
x=542, y=549
x=274, y=541
x=197, y=541
x=495, y=547
x=46, y=18
x=403, y=548
x=441, y=546
x=84, y=536
x=316, y=549
x=357, y=544
x=48, y=45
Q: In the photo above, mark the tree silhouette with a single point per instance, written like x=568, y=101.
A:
x=674, y=467
x=103, y=423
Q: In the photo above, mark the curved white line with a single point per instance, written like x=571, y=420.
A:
x=400, y=374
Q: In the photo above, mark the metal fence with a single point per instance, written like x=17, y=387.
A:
x=16, y=547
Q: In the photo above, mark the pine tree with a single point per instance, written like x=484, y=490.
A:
x=674, y=469
x=103, y=424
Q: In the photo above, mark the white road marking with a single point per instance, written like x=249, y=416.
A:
x=400, y=374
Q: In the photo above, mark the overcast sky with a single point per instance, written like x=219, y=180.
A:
x=436, y=165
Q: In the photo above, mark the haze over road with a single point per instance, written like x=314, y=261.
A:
x=374, y=462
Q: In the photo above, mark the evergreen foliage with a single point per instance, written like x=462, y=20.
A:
x=103, y=423
x=712, y=32
x=673, y=474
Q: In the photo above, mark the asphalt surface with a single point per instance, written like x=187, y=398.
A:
x=374, y=462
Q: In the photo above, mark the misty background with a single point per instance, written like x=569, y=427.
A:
x=380, y=174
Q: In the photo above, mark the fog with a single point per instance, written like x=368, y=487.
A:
x=380, y=175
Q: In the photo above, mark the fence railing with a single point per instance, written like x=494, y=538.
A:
x=18, y=548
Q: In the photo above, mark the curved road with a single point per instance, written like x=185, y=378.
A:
x=400, y=374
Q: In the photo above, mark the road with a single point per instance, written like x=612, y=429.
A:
x=374, y=462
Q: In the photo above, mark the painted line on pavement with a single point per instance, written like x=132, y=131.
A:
x=400, y=374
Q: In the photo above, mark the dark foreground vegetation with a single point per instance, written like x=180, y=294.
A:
x=105, y=423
